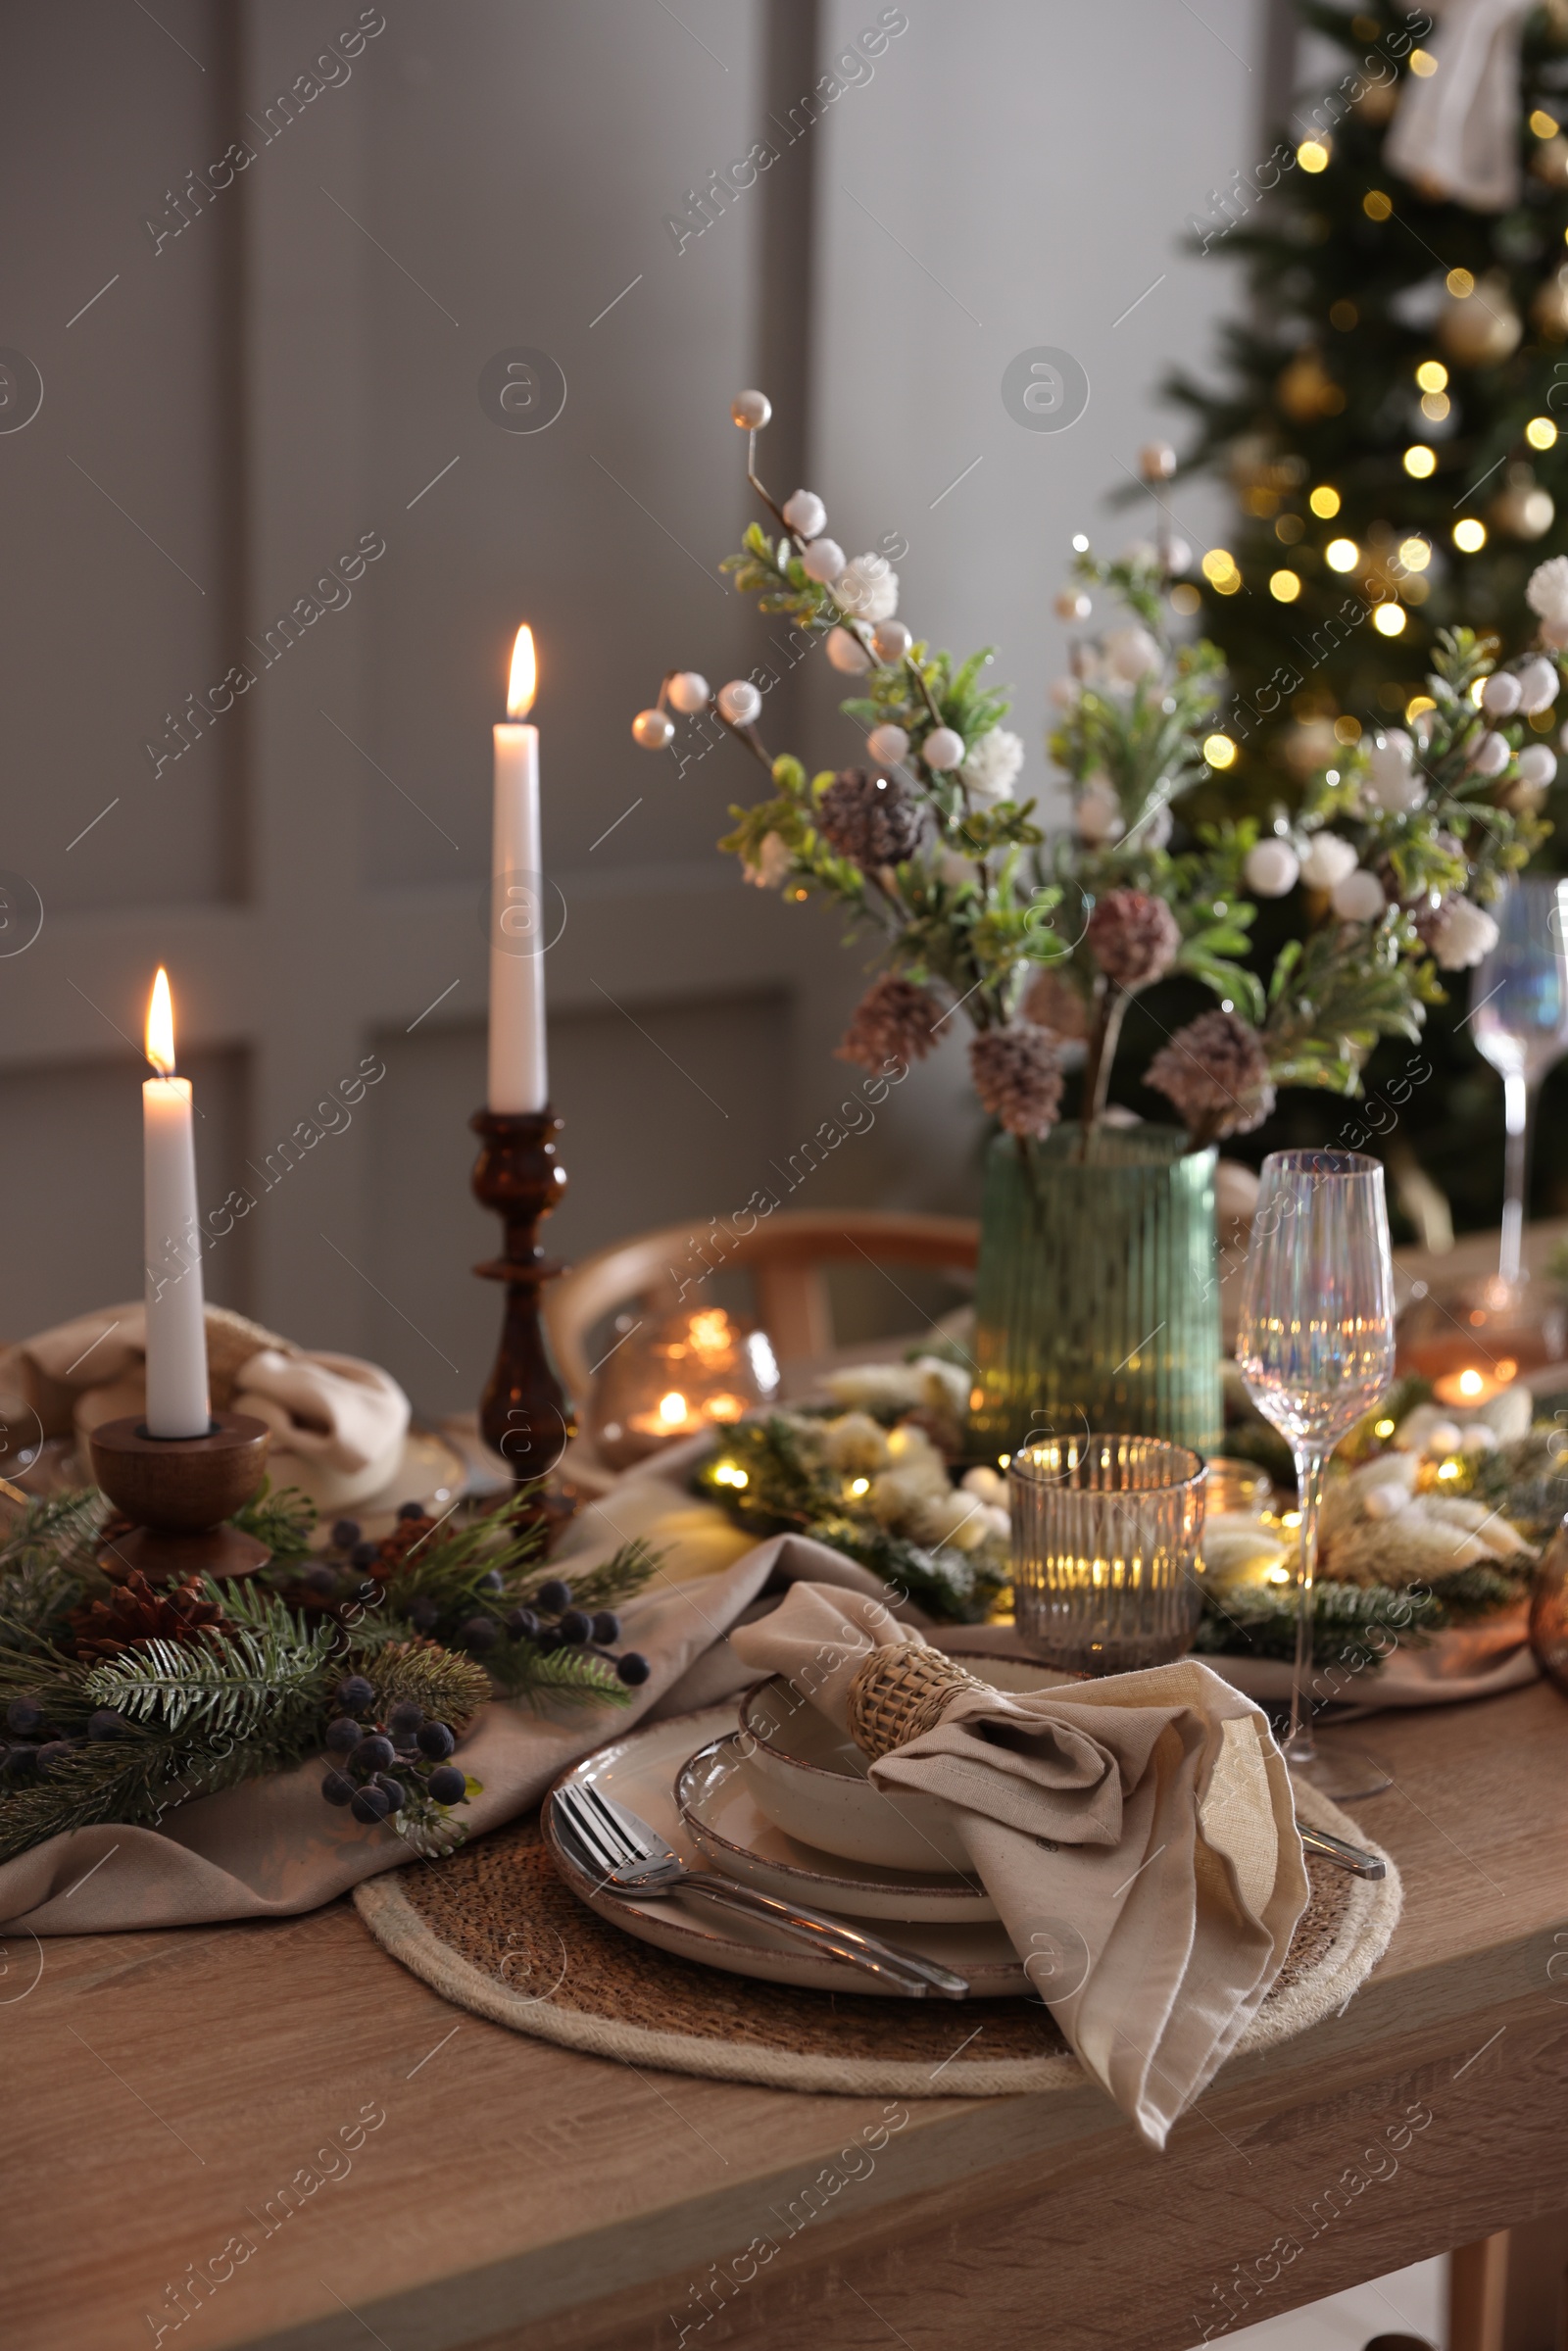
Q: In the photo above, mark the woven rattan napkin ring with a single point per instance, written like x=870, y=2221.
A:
x=898, y=1693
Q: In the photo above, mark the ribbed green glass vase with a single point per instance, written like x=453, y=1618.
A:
x=1096, y=1304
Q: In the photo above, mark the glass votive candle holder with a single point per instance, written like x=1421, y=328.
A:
x=1104, y=1536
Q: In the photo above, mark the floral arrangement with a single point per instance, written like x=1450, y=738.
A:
x=870, y=1472
x=1431, y=1520
x=929, y=846
x=121, y=1699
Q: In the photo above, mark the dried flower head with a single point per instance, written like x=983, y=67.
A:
x=893, y=1021
x=872, y=819
x=1135, y=938
x=1016, y=1077
x=1215, y=1071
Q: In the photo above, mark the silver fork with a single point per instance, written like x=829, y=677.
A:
x=1349, y=1857
x=635, y=1859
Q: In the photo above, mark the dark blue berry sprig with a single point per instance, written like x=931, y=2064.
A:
x=380, y=1768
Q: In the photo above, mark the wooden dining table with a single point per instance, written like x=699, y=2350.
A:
x=477, y=2187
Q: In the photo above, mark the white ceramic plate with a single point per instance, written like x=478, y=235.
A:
x=431, y=1473
x=640, y=1772
x=724, y=1818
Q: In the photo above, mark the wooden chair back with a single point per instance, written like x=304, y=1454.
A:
x=785, y=1255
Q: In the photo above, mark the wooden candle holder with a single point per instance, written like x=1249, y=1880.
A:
x=524, y=1413
x=179, y=1489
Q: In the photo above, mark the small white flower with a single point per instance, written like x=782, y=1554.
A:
x=1132, y=653
x=822, y=562
x=992, y=762
x=1392, y=782
x=806, y=515
x=1547, y=592
x=1490, y=754
x=772, y=866
x=1537, y=763
x=1462, y=933
x=887, y=744
x=1327, y=861
x=847, y=654
x=868, y=587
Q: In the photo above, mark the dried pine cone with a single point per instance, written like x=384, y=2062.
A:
x=871, y=820
x=135, y=1611
x=1016, y=1077
x=893, y=1021
x=1053, y=1003
x=1133, y=937
x=1215, y=1071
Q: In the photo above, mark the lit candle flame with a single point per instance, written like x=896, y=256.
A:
x=1470, y=1382
x=160, y=1026
x=524, y=676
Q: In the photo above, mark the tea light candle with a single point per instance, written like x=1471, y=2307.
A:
x=1472, y=1386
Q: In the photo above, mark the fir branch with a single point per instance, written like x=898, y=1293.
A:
x=219, y=1684
x=284, y=1520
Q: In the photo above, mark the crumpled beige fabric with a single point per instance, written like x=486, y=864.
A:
x=1136, y=1836
x=346, y=1420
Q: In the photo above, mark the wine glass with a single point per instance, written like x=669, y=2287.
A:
x=1315, y=1346
x=1519, y=1014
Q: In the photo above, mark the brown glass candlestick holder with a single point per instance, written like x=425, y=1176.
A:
x=524, y=1415
x=179, y=1490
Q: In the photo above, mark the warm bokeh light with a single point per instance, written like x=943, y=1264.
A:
x=1346, y=730
x=1342, y=554
x=524, y=680
x=1541, y=432
x=1415, y=705
x=1420, y=461
x=1544, y=125
x=1423, y=63
x=1284, y=586
x=1415, y=554
x=1435, y=406
x=1218, y=563
x=1432, y=375
x=1470, y=535
x=1459, y=283
x=160, y=1026
x=1375, y=205
x=1388, y=619
x=672, y=1409
x=1313, y=155
x=1324, y=502
x=1220, y=751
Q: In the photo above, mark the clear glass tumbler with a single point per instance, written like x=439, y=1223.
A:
x=1105, y=1533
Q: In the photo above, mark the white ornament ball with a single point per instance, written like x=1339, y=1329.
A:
x=806, y=515
x=892, y=640
x=688, y=691
x=1073, y=604
x=1500, y=696
x=739, y=701
x=1358, y=898
x=1271, y=868
x=1327, y=862
x=1538, y=763
x=751, y=411
x=943, y=749
x=1538, y=686
x=1490, y=754
x=887, y=744
x=655, y=730
x=847, y=654
x=822, y=562
x=1132, y=653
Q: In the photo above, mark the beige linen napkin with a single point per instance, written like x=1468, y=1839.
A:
x=338, y=1424
x=1136, y=1834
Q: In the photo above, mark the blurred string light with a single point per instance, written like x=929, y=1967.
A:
x=1541, y=432
x=1313, y=155
x=1342, y=554
x=1388, y=619
x=1324, y=502
x=1470, y=535
x=1420, y=461
x=1432, y=375
x=1376, y=206
x=1459, y=283
x=1220, y=751
x=1284, y=586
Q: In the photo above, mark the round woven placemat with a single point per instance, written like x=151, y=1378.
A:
x=495, y=1931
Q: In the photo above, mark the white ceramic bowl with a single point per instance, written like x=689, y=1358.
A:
x=811, y=1779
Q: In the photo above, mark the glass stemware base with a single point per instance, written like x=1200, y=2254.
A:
x=1343, y=1775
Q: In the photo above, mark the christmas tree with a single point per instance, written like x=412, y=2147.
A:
x=1392, y=416
x=1393, y=408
